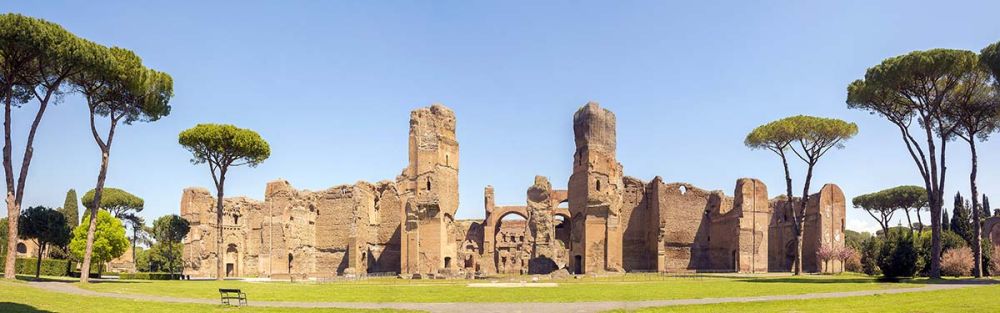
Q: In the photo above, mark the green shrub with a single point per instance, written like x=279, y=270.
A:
x=987, y=250
x=871, y=247
x=949, y=240
x=92, y=275
x=149, y=276
x=50, y=267
x=898, y=257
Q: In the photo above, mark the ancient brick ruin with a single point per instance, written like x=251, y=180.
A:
x=603, y=222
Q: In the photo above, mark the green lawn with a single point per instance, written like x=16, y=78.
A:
x=973, y=299
x=393, y=290
x=17, y=296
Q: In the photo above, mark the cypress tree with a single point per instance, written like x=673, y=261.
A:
x=70, y=210
x=961, y=219
x=945, y=222
x=986, y=207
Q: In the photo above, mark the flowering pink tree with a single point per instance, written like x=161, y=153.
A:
x=827, y=253
x=847, y=253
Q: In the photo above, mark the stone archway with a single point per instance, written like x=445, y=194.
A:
x=512, y=248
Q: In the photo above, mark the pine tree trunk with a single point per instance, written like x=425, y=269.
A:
x=977, y=247
x=802, y=220
x=13, y=211
x=38, y=263
x=218, y=218
x=17, y=191
x=909, y=222
x=920, y=227
x=95, y=207
x=788, y=194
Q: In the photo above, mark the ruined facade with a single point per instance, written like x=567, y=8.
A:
x=603, y=222
x=991, y=229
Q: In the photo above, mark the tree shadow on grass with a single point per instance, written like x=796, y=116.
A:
x=863, y=280
x=18, y=307
x=69, y=281
x=44, y=279
x=799, y=280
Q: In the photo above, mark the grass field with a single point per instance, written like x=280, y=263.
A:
x=18, y=297
x=973, y=299
x=393, y=290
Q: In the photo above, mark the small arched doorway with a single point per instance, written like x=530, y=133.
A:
x=578, y=264
x=232, y=260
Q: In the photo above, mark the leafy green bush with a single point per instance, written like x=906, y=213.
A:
x=871, y=247
x=949, y=240
x=149, y=276
x=50, y=267
x=987, y=249
x=92, y=274
x=898, y=257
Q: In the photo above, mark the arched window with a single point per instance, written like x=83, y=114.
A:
x=598, y=185
x=428, y=183
x=21, y=248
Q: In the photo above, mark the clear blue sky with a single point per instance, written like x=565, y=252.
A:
x=330, y=86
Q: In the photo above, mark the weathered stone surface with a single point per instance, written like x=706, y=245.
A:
x=604, y=222
x=824, y=226
x=595, y=191
x=991, y=230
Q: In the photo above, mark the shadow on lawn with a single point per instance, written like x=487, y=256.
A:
x=67, y=280
x=863, y=280
x=17, y=307
x=800, y=280
x=44, y=279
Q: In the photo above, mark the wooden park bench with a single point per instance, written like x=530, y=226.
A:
x=233, y=294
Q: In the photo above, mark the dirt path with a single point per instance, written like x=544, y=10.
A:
x=505, y=306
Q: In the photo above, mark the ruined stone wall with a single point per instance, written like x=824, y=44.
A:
x=639, y=227
x=200, y=246
x=384, y=245
x=723, y=236
x=612, y=223
x=296, y=232
x=595, y=193
x=824, y=225
x=826, y=212
x=429, y=191
x=684, y=234
x=751, y=208
x=991, y=231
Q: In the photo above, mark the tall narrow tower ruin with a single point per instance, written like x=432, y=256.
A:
x=595, y=193
x=429, y=189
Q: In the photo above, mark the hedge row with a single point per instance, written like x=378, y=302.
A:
x=50, y=267
x=149, y=276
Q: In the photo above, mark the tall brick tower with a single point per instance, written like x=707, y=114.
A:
x=595, y=193
x=429, y=189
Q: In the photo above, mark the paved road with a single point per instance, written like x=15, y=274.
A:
x=505, y=307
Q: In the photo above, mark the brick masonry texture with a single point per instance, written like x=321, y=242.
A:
x=604, y=221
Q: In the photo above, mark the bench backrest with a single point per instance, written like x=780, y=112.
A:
x=229, y=290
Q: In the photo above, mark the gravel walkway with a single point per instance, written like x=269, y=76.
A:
x=506, y=306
